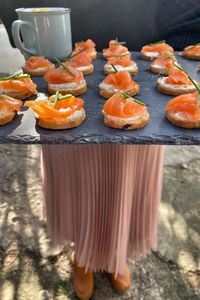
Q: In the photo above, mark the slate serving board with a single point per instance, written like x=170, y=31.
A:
x=159, y=130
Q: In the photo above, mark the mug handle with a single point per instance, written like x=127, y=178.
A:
x=16, y=27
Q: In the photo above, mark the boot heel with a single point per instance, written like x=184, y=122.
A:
x=83, y=282
x=121, y=283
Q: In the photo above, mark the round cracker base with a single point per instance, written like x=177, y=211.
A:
x=122, y=124
x=173, y=92
x=19, y=96
x=89, y=70
x=133, y=71
x=67, y=124
x=156, y=70
x=8, y=118
x=37, y=73
x=109, y=93
x=76, y=92
x=189, y=56
x=181, y=123
x=145, y=57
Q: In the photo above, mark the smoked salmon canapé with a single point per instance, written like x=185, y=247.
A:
x=121, y=63
x=88, y=46
x=176, y=83
x=37, y=66
x=8, y=108
x=119, y=81
x=66, y=80
x=18, y=86
x=184, y=110
x=115, y=48
x=59, y=112
x=153, y=50
x=192, y=52
x=124, y=112
x=82, y=61
x=163, y=63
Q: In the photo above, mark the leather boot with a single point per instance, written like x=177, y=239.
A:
x=83, y=282
x=121, y=283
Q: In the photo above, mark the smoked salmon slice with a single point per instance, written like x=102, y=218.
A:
x=178, y=77
x=60, y=75
x=157, y=47
x=10, y=103
x=164, y=60
x=37, y=62
x=23, y=85
x=62, y=108
x=192, y=52
x=79, y=59
x=122, y=107
x=186, y=104
x=121, y=80
x=88, y=46
x=115, y=49
x=192, y=49
x=122, y=60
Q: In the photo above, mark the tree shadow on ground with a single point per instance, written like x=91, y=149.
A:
x=27, y=253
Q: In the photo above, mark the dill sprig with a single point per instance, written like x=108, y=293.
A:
x=59, y=97
x=115, y=69
x=65, y=97
x=76, y=53
x=120, y=56
x=197, y=86
x=65, y=67
x=15, y=76
x=119, y=43
x=56, y=98
x=126, y=96
x=159, y=42
x=169, y=55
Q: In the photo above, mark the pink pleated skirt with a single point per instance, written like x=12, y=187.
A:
x=105, y=199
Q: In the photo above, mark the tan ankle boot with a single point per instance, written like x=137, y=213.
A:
x=121, y=283
x=83, y=282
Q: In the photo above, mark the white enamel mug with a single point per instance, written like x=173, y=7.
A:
x=45, y=31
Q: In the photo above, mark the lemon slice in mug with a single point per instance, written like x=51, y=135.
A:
x=38, y=10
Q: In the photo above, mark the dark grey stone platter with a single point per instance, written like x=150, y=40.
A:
x=159, y=130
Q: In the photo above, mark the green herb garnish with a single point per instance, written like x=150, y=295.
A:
x=59, y=97
x=159, y=42
x=169, y=55
x=65, y=67
x=139, y=102
x=115, y=69
x=126, y=96
x=120, y=56
x=119, y=43
x=71, y=57
x=56, y=98
x=15, y=76
x=197, y=86
x=64, y=97
x=82, y=50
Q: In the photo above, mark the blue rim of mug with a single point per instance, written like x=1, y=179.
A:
x=50, y=10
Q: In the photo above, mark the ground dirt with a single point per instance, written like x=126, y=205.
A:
x=32, y=268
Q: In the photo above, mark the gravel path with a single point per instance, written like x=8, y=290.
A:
x=32, y=268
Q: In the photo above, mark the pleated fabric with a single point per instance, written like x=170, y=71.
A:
x=105, y=199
